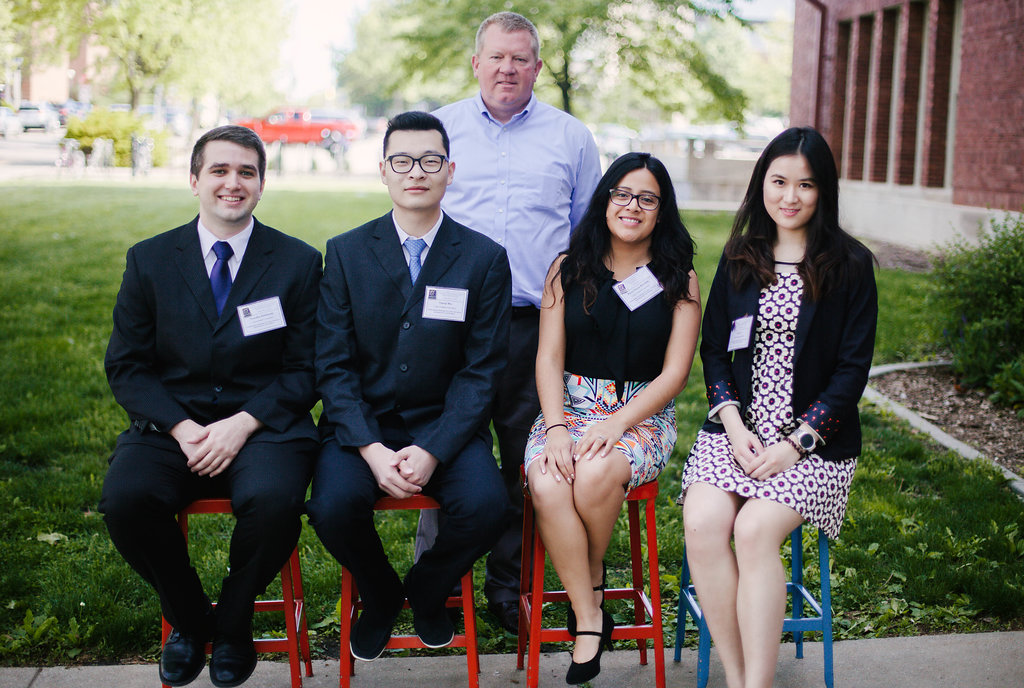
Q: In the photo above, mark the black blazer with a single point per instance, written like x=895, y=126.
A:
x=171, y=357
x=835, y=339
x=379, y=362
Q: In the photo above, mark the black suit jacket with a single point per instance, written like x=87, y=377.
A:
x=380, y=362
x=835, y=339
x=171, y=357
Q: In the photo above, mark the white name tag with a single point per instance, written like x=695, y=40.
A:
x=638, y=288
x=739, y=336
x=445, y=303
x=261, y=316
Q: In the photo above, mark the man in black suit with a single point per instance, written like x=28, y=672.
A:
x=211, y=355
x=412, y=334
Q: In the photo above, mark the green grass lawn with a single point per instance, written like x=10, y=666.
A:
x=931, y=543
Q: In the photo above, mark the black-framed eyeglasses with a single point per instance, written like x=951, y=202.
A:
x=646, y=201
x=402, y=164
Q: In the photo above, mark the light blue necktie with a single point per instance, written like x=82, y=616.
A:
x=220, y=276
x=415, y=247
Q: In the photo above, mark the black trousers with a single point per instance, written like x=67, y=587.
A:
x=148, y=483
x=515, y=409
x=472, y=499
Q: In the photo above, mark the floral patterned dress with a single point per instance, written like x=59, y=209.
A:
x=815, y=488
x=587, y=401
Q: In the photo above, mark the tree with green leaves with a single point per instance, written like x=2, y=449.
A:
x=651, y=44
x=195, y=46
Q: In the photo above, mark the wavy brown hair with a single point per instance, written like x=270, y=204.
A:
x=672, y=248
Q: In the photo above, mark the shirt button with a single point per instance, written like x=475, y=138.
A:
x=403, y=367
x=406, y=325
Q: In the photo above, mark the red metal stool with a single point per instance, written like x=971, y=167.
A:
x=350, y=606
x=646, y=609
x=296, y=642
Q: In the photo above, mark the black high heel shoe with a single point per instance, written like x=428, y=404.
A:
x=570, y=616
x=586, y=671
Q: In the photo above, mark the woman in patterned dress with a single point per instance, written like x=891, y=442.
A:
x=618, y=331
x=788, y=337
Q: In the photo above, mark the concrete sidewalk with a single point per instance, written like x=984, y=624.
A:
x=981, y=660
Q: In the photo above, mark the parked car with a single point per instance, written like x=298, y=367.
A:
x=10, y=125
x=301, y=126
x=38, y=116
x=72, y=108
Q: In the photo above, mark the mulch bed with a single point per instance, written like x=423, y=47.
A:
x=966, y=414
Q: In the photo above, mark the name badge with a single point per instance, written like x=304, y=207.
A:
x=638, y=288
x=739, y=336
x=261, y=316
x=445, y=303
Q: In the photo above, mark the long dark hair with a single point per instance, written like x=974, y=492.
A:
x=829, y=249
x=672, y=248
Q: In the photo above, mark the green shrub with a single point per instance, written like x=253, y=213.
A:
x=978, y=295
x=1008, y=385
x=119, y=127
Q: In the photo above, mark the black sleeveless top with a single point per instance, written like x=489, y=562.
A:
x=610, y=342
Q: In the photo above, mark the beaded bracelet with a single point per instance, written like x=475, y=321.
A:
x=799, y=450
x=556, y=425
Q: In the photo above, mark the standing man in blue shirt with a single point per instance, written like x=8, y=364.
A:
x=526, y=173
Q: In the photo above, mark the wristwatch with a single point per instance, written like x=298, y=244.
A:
x=806, y=440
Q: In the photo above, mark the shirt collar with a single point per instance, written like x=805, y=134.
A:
x=521, y=115
x=238, y=242
x=428, y=237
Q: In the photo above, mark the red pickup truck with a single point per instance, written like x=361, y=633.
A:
x=304, y=126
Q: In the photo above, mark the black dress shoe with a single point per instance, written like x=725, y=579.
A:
x=372, y=630
x=182, y=660
x=507, y=613
x=430, y=616
x=232, y=662
x=435, y=630
x=587, y=671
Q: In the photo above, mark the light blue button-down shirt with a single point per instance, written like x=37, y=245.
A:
x=524, y=184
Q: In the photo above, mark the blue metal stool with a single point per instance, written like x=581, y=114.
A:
x=797, y=624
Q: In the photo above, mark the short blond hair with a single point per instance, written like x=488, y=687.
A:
x=509, y=22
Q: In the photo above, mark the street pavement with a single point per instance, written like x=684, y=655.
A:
x=980, y=660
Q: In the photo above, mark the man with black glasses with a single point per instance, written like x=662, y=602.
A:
x=412, y=334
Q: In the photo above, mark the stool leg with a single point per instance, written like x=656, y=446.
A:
x=165, y=630
x=655, y=582
x=826, y=605
x=636, y=564
x=347, y=662
x=536, y=609
x=684, y=580
x=300, y=620
x=703, y=653
x=291, y=628
x=469, y=618
x=525, y=567
x=797, y=547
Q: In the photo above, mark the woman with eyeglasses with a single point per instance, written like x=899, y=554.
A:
x=788, y=338
x=618, y=330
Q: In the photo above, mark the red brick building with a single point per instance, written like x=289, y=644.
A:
x=922, y=102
